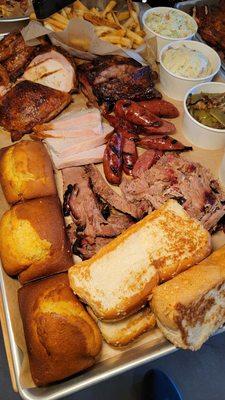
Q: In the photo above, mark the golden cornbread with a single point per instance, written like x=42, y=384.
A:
x=29, y=246
x=33, y=241
x=26, y=172
x=62, y=339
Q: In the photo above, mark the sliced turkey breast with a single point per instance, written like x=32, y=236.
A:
x=92, y=156
x=74, y=120
x=55, y=69
x=70, y=146
x=76, y=132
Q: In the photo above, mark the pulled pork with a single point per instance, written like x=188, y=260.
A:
x=173, y=177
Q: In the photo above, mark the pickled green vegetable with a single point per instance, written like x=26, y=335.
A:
x=208, y=109
x=218, y=115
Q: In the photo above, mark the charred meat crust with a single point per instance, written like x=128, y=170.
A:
x=95, y=220
x=107, y=79
x=28, y=104
x=15, y=54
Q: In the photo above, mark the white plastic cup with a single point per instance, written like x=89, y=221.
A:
x=198, y=134
x=175, y=86
x=163, y=40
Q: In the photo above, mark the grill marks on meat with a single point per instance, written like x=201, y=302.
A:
x=189, y=183
x=28, y=104
x=110, y=78
x=15, y=55
x=95, y=220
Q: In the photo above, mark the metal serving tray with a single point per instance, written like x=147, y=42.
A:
x=187, y=7
x=101, y=371
x=14, y=19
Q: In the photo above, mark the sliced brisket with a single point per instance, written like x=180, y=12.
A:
x=102, y=189
x=94, y=221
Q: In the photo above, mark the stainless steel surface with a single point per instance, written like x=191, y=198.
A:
x=100, y=372
x=187, y=7
x=11, y=26
x=14, y=19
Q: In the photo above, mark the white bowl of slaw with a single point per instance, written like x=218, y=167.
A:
x=183, y=26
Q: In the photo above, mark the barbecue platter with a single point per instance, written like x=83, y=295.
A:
x=106, y=209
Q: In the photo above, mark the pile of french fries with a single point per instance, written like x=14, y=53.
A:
x=117, y=27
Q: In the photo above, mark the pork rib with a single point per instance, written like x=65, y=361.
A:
x=107, y=79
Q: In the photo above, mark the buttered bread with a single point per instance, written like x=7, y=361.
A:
x=119, y=279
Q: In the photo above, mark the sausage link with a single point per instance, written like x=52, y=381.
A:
x=165, y=143
x=136, y=114
x=112, y=159
x=161, y=108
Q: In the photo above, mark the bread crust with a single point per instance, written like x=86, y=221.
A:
x=62, y=339
x=193, y=237
x=186, y=297
x=122, y=333
x=26, y=172
x=45, y=218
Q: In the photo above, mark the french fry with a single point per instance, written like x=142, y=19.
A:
x=77, y=5
x=116, y=19
x=80, y=44
x=125, y=42
x=101, y=30
x=57, y=24
x=64, y=14
x=100, y=21
x=135, y=18
x=134, y=36
x=123, y=15
x=109, y=16
x=140, y=33
x=51, y=27
x=68, y=11
x=33, y=16
x=130, y=6
x=58, y=17
x=95, y=11
x=110, y=6
x=129, y=23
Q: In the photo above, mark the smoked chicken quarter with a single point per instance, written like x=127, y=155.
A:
x=28, y=104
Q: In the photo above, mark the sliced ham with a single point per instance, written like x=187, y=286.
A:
x=92, y=156
x=55, y=69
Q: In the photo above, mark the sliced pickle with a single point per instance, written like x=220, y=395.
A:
x=218, y=115
x=205, y=118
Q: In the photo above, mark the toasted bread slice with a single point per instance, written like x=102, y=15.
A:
x=122, y=333
x=190, y=307
x=119, y=279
